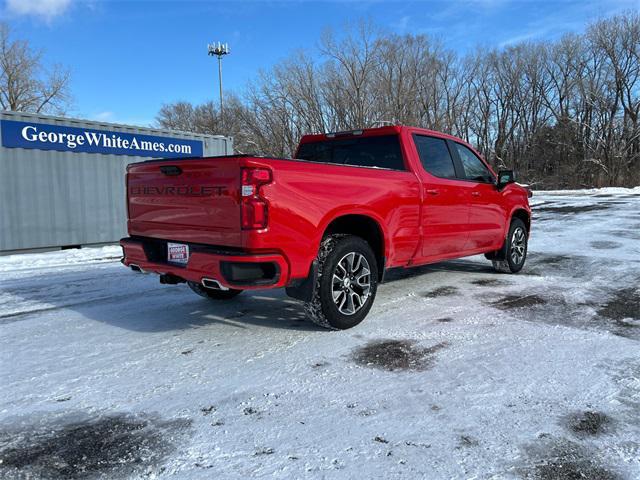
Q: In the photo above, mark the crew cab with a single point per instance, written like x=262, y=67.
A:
x=327, y=224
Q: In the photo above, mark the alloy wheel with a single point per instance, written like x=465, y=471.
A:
x=351, y=283
x=518, y=246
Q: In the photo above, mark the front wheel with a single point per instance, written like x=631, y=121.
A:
x=514, y=251
x=346, y=285
x=212, y=293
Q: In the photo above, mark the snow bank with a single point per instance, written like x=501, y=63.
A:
x=60, y=258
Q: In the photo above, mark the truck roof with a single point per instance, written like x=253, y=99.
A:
x=366, y=132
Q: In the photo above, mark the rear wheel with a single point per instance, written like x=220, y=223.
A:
x=346, y=285
x=513, y=254
x=212, y=293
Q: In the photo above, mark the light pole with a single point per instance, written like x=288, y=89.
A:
x=219, y=50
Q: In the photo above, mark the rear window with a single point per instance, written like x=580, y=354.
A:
x=383, y=152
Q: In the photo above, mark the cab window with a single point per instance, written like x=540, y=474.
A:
x=474, y=168
x=435, y=156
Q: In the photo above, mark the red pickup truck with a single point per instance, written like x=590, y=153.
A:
x=326, y=225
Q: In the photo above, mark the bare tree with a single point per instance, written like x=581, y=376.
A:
x=25, y=85
x=618, y=40
x=348, y=76
x=562, y=113
x=177, y=116
x=206, y=119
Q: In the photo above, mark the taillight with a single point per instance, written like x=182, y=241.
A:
x=254, y=208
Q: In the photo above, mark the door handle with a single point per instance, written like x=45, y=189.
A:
x=433, y=192
x=475, y=194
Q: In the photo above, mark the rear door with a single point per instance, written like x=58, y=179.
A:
x=445, y=209
x=191, y=200
x=486, y=212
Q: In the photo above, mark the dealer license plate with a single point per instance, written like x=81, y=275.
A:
x=177, y=253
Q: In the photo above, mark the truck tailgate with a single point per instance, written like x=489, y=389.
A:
x=191, y=200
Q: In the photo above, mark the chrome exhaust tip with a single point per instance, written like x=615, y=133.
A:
x=211, y=283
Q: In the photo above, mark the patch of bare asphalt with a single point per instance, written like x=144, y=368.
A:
x=552, y=259
x=392, y=355
x=623, y=305
x=588, y=423
x=488, y=282
x=538, y=264
x=604, y=245
x=445, y=320
x=567, y=469
x=111, y=446
x=564, y=460
x=621, y=313
x=569, y=265
x=441, y=292
x=564, y=209
x=513, y=302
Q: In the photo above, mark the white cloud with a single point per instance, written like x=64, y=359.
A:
x=47, y=9
x=401, y=26
x=523, y=38
x=112, y=117
x=103, y=116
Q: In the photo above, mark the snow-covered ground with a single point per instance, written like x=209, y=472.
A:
x=458, y=372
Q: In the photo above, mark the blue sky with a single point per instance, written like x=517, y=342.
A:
x=128, y=58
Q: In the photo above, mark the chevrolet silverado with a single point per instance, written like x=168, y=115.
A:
x=327, y=224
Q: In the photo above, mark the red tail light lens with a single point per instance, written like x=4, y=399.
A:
x=254, y=214
x=254, y=208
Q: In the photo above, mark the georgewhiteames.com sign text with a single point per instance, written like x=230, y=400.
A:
x=44, y=136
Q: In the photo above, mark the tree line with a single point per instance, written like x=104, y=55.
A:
x=563, y=114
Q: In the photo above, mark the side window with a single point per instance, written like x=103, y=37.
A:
x=474, y=169
x=434, y=156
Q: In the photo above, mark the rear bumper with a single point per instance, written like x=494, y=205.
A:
x=232, y=269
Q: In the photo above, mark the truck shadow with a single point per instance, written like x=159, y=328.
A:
x=113, y=295
x=190, y=312
x=468, y=266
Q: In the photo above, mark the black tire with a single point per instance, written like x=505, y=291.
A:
x=335, y=250
x=512, y=256
x=212, y=293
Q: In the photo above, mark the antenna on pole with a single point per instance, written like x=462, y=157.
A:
x=219, y=50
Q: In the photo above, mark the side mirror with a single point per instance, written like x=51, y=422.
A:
x=505, y=177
